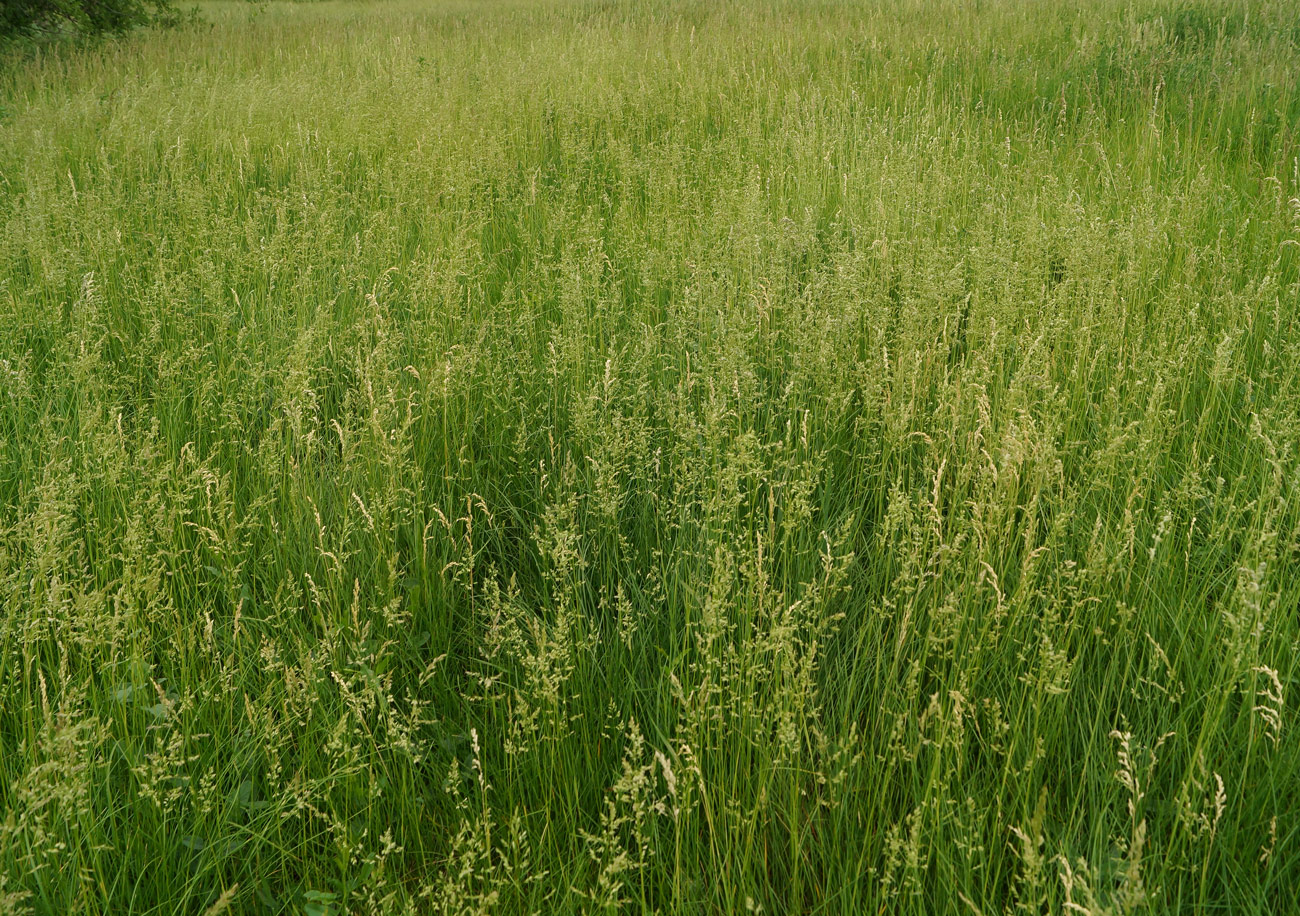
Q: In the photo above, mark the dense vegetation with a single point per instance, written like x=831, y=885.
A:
x=19, y=18
x=557, y=456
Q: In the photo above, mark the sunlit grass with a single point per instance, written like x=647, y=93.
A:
x=571, y=456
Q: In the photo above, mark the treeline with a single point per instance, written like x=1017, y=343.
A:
x=25, y=18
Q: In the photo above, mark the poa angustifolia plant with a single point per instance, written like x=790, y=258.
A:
x=766, y=458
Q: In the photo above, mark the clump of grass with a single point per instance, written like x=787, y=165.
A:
x=569, y=456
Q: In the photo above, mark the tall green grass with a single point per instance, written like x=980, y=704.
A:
x=548, y=457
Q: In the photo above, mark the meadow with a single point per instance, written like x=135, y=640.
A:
x=579, y=456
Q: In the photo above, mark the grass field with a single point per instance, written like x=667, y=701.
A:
x=576, y=456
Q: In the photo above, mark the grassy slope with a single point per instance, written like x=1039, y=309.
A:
x=824, y=457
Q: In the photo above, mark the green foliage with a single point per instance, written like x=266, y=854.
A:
x=28, y=17
x=555, y=456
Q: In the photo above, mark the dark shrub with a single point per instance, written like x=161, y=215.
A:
x=30, y=17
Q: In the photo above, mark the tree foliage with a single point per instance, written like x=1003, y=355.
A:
x=33, y=17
